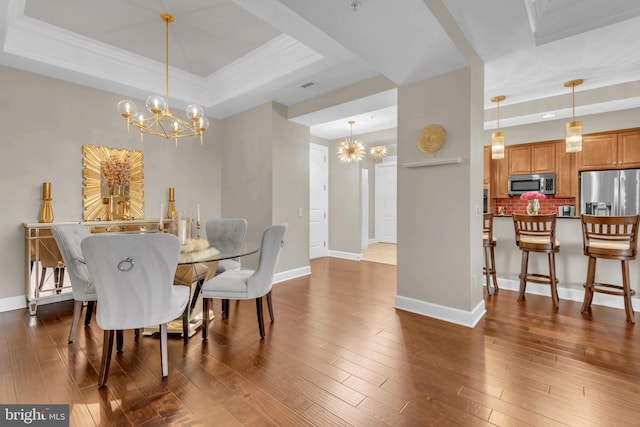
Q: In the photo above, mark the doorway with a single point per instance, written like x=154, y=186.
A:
x=318, y=201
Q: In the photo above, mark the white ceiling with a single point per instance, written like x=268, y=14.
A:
x=233, y=55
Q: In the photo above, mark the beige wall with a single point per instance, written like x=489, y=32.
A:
x=439, y=260
x=46, y=122
x=265, y=171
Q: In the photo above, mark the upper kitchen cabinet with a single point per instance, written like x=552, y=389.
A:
x=610, y=151
x=531, y=158
x=499, y=178
x=566, y=172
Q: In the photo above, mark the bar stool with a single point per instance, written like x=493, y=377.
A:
x=615, y=238
x=488, y=243
x=537, y=233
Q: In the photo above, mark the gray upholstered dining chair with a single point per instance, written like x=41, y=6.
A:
x=133, y=276
x=68, y=238
x=227, y=236
x=244, y=284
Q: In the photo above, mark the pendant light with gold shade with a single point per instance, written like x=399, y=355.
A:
x=574, y=127
x=497, y=137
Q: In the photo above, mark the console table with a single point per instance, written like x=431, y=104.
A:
x=42, y=254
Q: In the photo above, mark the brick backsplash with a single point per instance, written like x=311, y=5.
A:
x=515, y=205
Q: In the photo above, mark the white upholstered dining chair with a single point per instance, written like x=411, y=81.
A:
x=244, y=284
x=227, y=236
x=68, y=238
x=133, y=276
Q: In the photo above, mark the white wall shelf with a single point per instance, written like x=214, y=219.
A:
x=432, y=162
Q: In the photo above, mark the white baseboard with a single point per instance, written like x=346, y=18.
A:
x=346, y=255
x=605, y=300
x=448, y=314
x=12, y=303
x=291, y=274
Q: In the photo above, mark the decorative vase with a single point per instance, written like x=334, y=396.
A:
x=46, y=209
x=533, y=206
x=118, y=203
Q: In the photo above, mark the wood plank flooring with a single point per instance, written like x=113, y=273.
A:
x=339, y=354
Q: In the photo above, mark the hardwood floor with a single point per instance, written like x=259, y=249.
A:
x=339, y=354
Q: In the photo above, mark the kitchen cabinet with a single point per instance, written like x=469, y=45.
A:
x=486, y=181
x=531, y=158
x=499, y=178
x=566, y=172
x=619, y=150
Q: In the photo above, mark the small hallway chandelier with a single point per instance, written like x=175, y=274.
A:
x=161, y=122
x=350, y=150
x=378, y=152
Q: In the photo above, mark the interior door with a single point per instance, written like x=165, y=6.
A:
x=386, y=201
x=318, y=201
x=365, y=209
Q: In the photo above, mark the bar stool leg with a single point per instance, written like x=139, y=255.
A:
x=523, y=274
x=628, y=306
x=552, y=279
x=588, y=286
x=487, y=270
x=493, y=270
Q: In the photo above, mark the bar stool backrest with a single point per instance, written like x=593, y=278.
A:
x=610, y=237
x=487, y=228
x=536, y=232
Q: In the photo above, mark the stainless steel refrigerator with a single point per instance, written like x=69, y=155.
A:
x=612, y=192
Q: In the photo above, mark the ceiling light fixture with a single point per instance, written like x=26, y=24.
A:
x=350, y=150
x=161, y=122
x=378, y=153
x=497, y=137
x=574, y=127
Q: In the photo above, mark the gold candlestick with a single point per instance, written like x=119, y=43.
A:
x=46, y=209
x=198, y=230
x=171, y=207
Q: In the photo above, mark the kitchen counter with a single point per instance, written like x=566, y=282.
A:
x=571, y=264
x=558, y=217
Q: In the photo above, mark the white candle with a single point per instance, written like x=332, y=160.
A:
x=198, y=212
x=161, y=212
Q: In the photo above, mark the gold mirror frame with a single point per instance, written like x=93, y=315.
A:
x=95, y=201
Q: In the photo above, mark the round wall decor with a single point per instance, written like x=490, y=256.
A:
x=432, y=138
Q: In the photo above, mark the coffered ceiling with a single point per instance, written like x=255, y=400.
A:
x=233, y=55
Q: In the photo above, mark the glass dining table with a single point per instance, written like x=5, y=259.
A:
x=195, y=266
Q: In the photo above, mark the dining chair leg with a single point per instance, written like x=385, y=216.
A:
x=164, y=358
x=89, y=313
x=107, y=346
x=260, y=319
x=42, y=277
x=205, y=317
x=77, y=309
x=119, y=341
x=196, y=294
x=270, y=306
x=185, y=324
x=225, y=308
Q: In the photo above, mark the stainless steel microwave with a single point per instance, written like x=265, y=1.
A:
x=544, y=183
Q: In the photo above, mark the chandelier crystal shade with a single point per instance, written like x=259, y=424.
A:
x=378, y=153
x=160, y=121
x=497, y=137
x=350, y=150
x=574, y=127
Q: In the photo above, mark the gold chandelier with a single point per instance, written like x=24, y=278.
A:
x=378, y=153
x=161, y=122
x=574, y=127
x=497, y=137
x=350, y=150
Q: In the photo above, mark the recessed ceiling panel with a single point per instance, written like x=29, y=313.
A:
x=206, y=34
